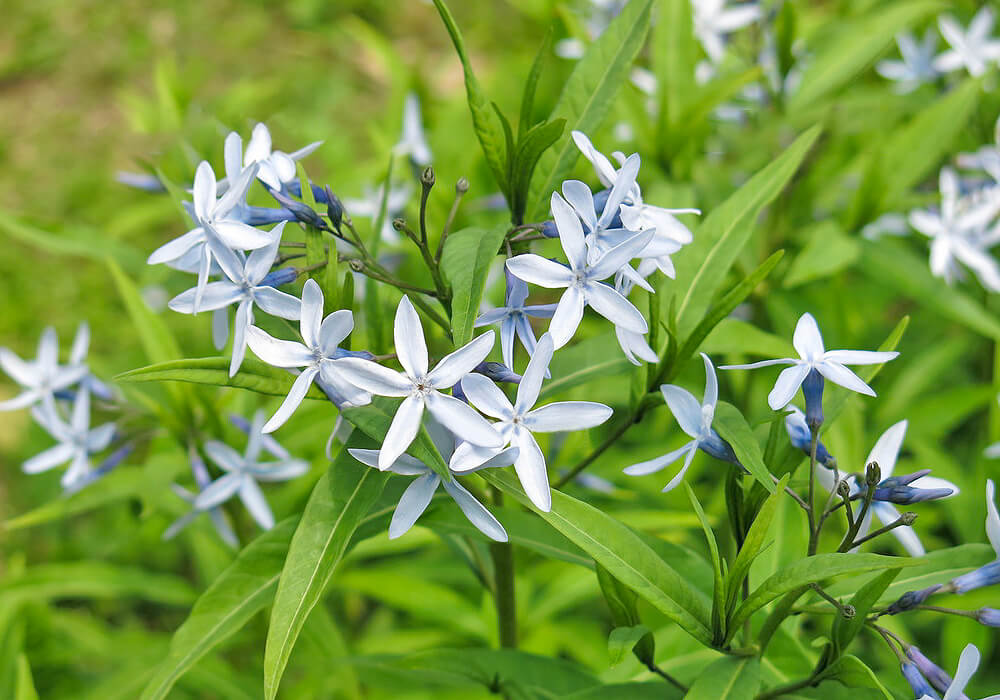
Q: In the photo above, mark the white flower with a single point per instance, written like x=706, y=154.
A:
x=830, y=363
x=886, y=225
x=316, y=353
x=77, y=440
x=885, y=453
x=696, y=421
x=211, y=216
x=968, y=662
x=517, y=422
x=418, y=494
x=413, y=142
x=958, y=235
x=713, y=20
x=582, y=279
x=634, y=345
x=422, y=388
x=275, y=167
x=42, y=377
x=986, y=158
x=917, y=66
x=243, y=473
x=513, y=319
x=244, y=287
x=972, y=50
x=219, y=519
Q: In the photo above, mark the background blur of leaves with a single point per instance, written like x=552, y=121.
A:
x=87, y=88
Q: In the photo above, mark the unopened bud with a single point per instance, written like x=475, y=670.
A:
x=462, y=186
x=334, y=208
x=843, y=489
x=398, y=224
x=908, y=518
x=848, y=611
x=356, y=265
x=427, y=177
x=873, y=475
x=988, y=616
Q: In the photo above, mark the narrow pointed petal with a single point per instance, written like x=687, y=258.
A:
x=476, y=512
x=275, y=352
x=80, y=420
x=680, y=475
x=581, y=199
x=624, y=184
x=404, y=427
x=807, y=340
x=507, y=328
x=277, y=303
x=219, y=491
x=22, y=400
x=236, y=193
x=859, y=357
x=531, y=381
x=373, y=377
x=240, y=324
x=224, y=456
x=408, y=333
x=177, y=247
x=788, y=383
x=20, y=371
x=336, y=380
x=488, y=318
x=992, y=518
x=48, y=350
x=232, y=156
x=220, y=328
x=838, y=374
x=567, y=415
x=240, y=236
x=570, y=232
x=685, y=407
x=412, y=504
x=531, y=471
x=81, y=342
x=566, y=319
x=253, y=499
x=259, y=262
x=486, y=396
x=541, y=271
x=655, y=465
x=312, y=313
x=462, y=420
x=100, y=437
x=968, y=662
x=259, y=147
x=886, y=449
x=334, y=329
x=204, y=190
x=616, y=308
x=617, y=257
x=292, y=401
x=215, y=295
x=762, y=363
x=450, y=370
x=52, y=457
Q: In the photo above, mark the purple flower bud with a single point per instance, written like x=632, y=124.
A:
x=140, y=181
x=801, y=438
x=937, y=676
x=983, y=576
x=341, y=353
x=261, y=216
x=549, y=229
x=334, y=207
x=498, y=372
x=919, y=684
x=911, y=599
x=277, y=278
x=716, y=447
x=812, y=390
x=601, y=201
x=988, y=616
x=319, y=194
x=302, y=212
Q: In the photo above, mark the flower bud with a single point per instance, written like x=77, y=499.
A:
x=398, y=224
x=912, y=599
x=937, y=676
x=983, y=576
x=462, y=186
x=498, y=372
x=812, y=390
x=897, y=489
x=427, y=177
x=919, y=684
x=277, y=278
x=549, y=229
x=334, y=208
x=873, y=475
x=302, y=212
x=988, y=616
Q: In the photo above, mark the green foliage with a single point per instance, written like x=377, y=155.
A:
x=465, y=262
x=730, y=678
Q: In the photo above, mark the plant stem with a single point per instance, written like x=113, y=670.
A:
x=667, y=677
x=502, y=554
x=813, y=530
x=901, y=521
x=598, y=451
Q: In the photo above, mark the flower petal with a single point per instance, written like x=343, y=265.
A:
x=333, y=330
x=541, y=271
x=567, y=415
x=220, y=328
x=968, y=662
x=404, y=427
x=838, y=374
x=655, y=465
x=567, y=317
x=458, y=417
x=992, y=518
x=886, y=449
x=52, y=457
x=277, y=303
x=685, y=407
x=530, y=468
x=219, y=491
x=616, y=308
x=177, y=247
x=240, y=236
x=680, y=475
x=581, y=199
x=570, y=233
x=412, y=504
x=373, y=377
x=859, y=357
x=275, y=352
x=204, y=190
x=788, y=383
x=253, y=499
x=711, y=385
x=411, y=348
x=24, y=373
x=259, y=262
x=292, y=401
x=486, y=396
x=216, y=295
x=807, y=339
x=224, y=456
x=312, y=313
x=476, y=512
x=616, y=258
x=240, y=324
x=452, y=367
x=531, y=381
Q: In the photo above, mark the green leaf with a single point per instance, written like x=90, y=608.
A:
x=854, y=673
x=729, y=678
x=341, y=498
x=854, y=46
x=490, y=137
x=623, y=553
x=253, y=375
x=119, y=485
x=722, y=308
x=25, y=687
x=733, y=336
x=531, y=85
x=735, y=430
x=236, y=595
x=374, y=421
x=529, y=150
x=845, y=630
x=588, y=96
x=753, y=543
x=811, y=570
x=718, y=586
x=623, y=639
x=156, y=339
x=76, y=241
x=703, y=265
x=583, y=362
x=465, y=263
x=827, y=252
x=675, y=53
x=92, y=579
x=892, y=263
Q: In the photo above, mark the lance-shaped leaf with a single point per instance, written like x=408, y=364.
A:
x=729, y=678
x=341, y=499
x=735, y=430
x=465, y=263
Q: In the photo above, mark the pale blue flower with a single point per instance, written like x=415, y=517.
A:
x=219, y=518
x=42, y=377
x=276, y=168
x=413, y=142
x=513, y=318
x=973, y=49
x=713, y=20
x=917, y=64
x=953, y=689
x=988, y=574
x=77, y=441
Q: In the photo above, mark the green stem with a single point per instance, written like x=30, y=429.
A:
x=813, y=530
x=502, y=554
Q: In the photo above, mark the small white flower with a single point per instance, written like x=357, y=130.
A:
x=77, y=440
x=513, y=319
x=917, y=66
x=885, y=225
x=713, y=20
x=317, y=353
x=244, y=287
x=42, y=377
x=422, y=388
x=275, y=167
x=958, y=233
x=885, y=453
x=972, y=50
x=413, y=142
x=243, y=473
x=582, y=279
x=830, y=363
x=213, y=222
x=516, y=422
x=219, y=519
x=968, y=663
x=986, y=159
x=694, y=419
x=418, y=494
